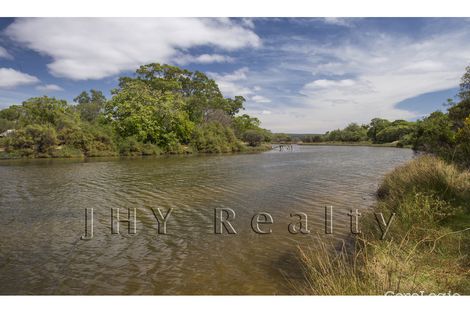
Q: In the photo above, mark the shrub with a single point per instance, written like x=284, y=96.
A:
x=33, y=140
x=130, y=146
x=214, y=138
x=393, y=133
x=253, y=137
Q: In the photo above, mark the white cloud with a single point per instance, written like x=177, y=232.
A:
x=326, y=83
x=10, y=78
x=4, y=54
x=260, y=99
x=203, y=58
x=49, y=87
x=231, y=84
x=95, y=48
x=366, y=77
x=237, y=83
x=340, y=21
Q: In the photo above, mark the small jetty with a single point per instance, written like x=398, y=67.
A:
x=283, y=147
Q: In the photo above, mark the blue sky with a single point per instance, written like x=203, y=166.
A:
x=298, y=75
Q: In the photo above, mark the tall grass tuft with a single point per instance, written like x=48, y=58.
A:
x=427, y=247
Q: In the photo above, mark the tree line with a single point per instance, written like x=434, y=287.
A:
x=160, y=109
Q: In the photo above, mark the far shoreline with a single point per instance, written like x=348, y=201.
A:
x=357, y=144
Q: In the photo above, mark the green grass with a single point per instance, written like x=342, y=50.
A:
x=427, y=247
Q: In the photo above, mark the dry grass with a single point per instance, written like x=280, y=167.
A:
x=427, y=248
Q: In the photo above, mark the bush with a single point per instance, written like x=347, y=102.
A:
x=253, y=137
x=91, y=140
x=130, y=146
x=67, y=152
x=33, y=140
x=352, y=133
x=214, y=138
x=434, y=134
x=6, y=124
x=393, y=133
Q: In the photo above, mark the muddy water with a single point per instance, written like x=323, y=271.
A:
x=42, y=205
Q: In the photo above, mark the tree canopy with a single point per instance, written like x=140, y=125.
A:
x=161, y=108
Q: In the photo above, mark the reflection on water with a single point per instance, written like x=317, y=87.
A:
x=42, y=206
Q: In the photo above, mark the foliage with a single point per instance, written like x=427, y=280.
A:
x=136, y=110
x=376, y=125
x=458, y=112
x=243, y=123
x=200, y=93
x=214, y=138
x=33, y=140
x=464, y=93
x=434, y=134
x=6, y=124
x=396, y=131
x=161, y=109
x=130, y=146
x=90, y=105
x=253, y=137
x=352, y=133
x=281, y=137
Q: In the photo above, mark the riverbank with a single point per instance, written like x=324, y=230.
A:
x=70, y=153
x=358, y=143
x=425, y=250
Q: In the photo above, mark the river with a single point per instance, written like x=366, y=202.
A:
x=42, y=217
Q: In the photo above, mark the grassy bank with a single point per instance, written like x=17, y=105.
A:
x=358, y=143
x=427, y=246
x=66, y=152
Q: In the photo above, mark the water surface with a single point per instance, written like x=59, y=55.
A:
x=42, y=206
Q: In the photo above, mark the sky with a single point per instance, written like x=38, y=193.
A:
x=298, y=75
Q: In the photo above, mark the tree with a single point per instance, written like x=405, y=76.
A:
x=243, y=123
x=90, y=106
x=199, y=93
x=354, y=132
x=150, y=115
x=254, y=137
x=434, y=134
x=463, y=144
x=459, y=112
x=46, y=110
x=396, y=131
x=33, y=139
x=376, y=125
x=214, y=137
x=464, y=92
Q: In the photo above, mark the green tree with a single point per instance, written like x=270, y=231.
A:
x=376, y=125
x=151, y=116
x=243, y=123
x=396, y=131
x=214, y=138
x=434, y=134
x=46, y=110
x=199, y=93
x=90, y=105
x=254, y=137
x=33, y=140
x=459, y=112
x=464, y=92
